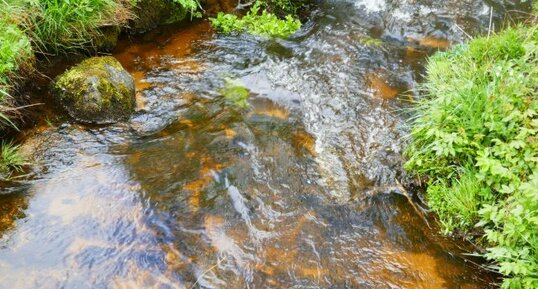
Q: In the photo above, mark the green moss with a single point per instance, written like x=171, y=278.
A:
x=96, y=90
x=369, y=41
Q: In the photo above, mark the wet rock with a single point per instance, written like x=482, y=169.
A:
x=107, y=40
x=98, y=90
x=151, y=13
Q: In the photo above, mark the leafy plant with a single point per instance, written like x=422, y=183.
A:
x=15, y=51
x=14, y=48
x=258, y=22
x=190, y=5
x=475, y=138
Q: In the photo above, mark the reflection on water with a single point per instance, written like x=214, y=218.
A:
x=299, y=190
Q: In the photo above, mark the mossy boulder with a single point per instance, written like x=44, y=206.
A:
x=98, y=90
x=151, y=13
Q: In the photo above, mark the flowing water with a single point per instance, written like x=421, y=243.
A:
x=302, y=189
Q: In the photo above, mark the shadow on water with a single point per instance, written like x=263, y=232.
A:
x=298, y=190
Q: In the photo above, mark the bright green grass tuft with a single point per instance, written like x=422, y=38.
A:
x=457, y=204
x=10, y=158
x=475, y=138
x=257, y=22
x=61, y=26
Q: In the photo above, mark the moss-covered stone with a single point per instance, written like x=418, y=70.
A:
x=98, y=90
x=151, y=13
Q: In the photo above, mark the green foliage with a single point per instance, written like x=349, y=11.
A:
x=457, y=204
x=512, y=225
x=235, y=93
x=10, y=158
x=15, y=49
x=263, y=24
x=481, y=114
x=190, y=5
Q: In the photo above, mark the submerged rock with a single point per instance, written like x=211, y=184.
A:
x=98, y=90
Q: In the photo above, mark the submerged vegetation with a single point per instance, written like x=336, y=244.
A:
x=260, y=21
x=475, y=141
x=236, y=93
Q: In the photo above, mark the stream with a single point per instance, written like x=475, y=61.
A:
x=302, y=189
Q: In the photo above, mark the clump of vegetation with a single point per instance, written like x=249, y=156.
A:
x=457, y=210
x=258, y=22
x=475, y=141
x=10, y=158
x=56, y=26
x=15, y=52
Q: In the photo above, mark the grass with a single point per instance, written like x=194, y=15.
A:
x=257, y=22
x=10, y=158
x=457, y=204
x=59, y=26
x=475, y=142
